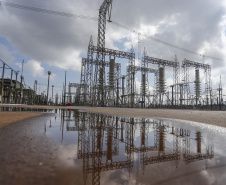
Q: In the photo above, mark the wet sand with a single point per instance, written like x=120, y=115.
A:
x=209, y=117
x=29, y=157
x=7, y=118
x=26, y=155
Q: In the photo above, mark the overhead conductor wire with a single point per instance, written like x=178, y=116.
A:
x=70, y=15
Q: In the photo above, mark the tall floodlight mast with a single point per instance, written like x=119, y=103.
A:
x=99, y=77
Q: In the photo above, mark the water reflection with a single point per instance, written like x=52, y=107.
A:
x=25, y=109
x=107, y=143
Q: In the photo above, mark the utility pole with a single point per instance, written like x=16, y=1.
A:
x=35, y=92
x=10, y=88
x=28, y=95
x=211, y=100
x=21, y=88
x=52, y=92
x=22, y=67
x=220, y=94
x=172, y=93
x=2, y=90
x=49, y=73
x=62, y=97
x=17, y=72
x=21, y=81
x=65, y=86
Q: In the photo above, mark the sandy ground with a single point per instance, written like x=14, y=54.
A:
x=209, y=117
x=7, y=118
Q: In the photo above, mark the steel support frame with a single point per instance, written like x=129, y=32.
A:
x=144, y=81
x=99, y=76
x=2, y=84
x=186, y=64
x=162, y=62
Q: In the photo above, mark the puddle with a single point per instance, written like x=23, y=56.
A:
x=125, y=150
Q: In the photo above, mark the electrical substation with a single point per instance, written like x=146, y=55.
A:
x=168, y=126
x=104, y=84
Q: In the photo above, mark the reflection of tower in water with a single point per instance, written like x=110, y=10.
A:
x=161, y=132
x=99, y=137
x=192, y=157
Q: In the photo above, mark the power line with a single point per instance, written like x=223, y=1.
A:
x=163, y=42
x=70, y=15
x=52, y=12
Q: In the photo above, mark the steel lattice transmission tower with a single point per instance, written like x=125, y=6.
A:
x=99, y=77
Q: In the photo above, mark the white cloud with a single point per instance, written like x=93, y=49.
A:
x=35, y=68
x=54, y=40
x=62, y=42
x=137, y=85
x=67, y=154
x=70, y=60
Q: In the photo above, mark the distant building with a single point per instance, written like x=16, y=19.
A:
x=10, y=91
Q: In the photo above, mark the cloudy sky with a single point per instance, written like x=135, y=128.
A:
x=54, y=43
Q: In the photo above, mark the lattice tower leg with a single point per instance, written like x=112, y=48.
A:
x=144, y=79
x=83, y=81
x=155, y=91
x=97, y=144
x=116, y=134
x=130, y=147
x=131, y=81
x=86, y=145
x=207, y=84
x=176, y=147
x=176, y=76
x=117, y=75
x=176, y=84
x=144, y=143
x=186, y=87
x=89, y=77
x=80, y=133
x=206, y=87
x=186, y=145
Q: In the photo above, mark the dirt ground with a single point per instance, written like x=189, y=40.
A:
x=209, y=117
x=27, y=157
x=7, y=118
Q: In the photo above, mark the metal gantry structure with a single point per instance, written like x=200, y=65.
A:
x=102, y=83
x=186, y=64
x=160, y=86
x=99, y=76
x=14, y=90
x=11, y=88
